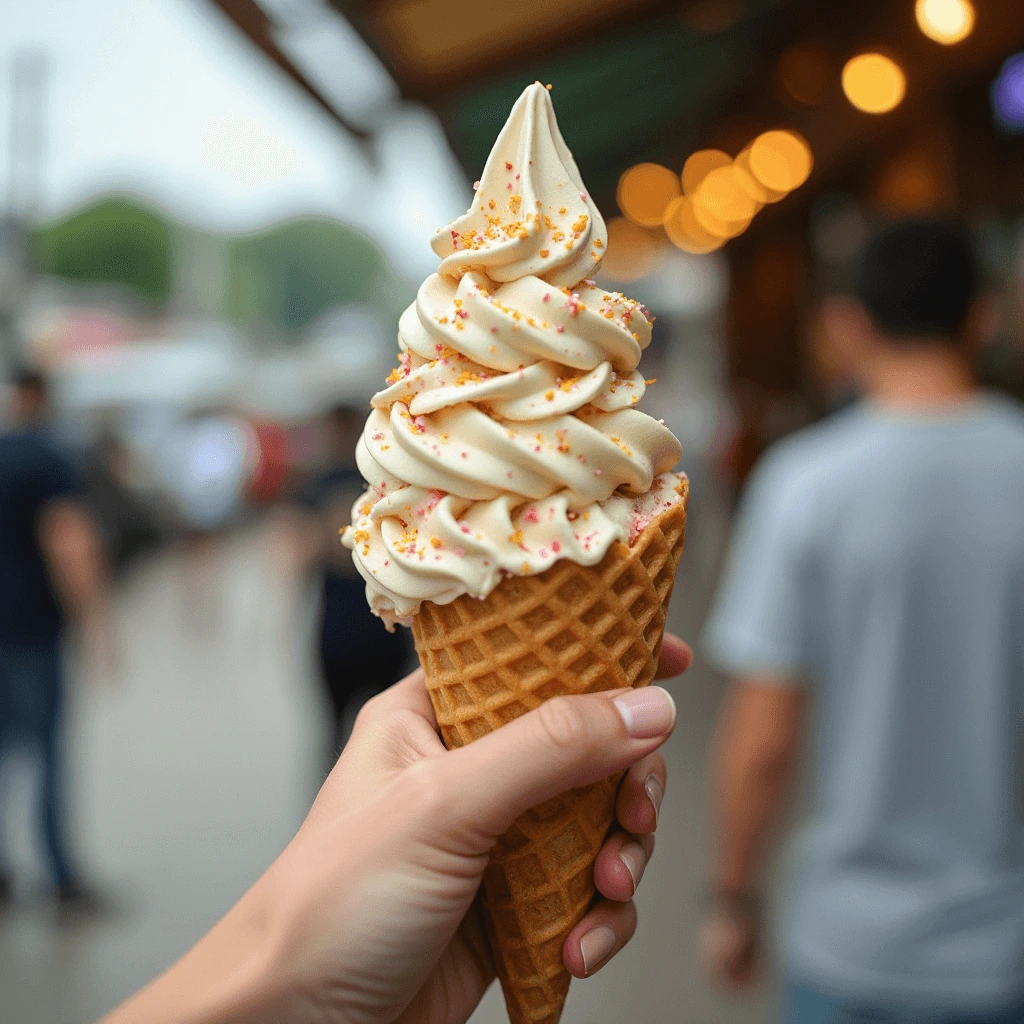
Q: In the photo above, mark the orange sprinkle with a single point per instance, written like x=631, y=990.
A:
x=549, y=395
x=544, y=254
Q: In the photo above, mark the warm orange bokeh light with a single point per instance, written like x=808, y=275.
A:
x=780, y=160
x=699, y=165
x=874, y=83
x=686, y=232
x=721, y=195
x=632, y=251
x=644, y=192
x=945, y=21
x=749, y=183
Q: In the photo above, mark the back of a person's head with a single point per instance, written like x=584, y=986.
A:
x=918, y=279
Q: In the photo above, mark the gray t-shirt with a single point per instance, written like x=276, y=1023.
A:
x=879, y=559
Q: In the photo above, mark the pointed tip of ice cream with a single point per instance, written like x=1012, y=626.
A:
x=531, y=212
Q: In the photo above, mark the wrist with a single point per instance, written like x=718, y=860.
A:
x=236, y=974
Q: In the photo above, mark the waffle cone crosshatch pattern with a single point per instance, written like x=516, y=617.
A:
x=570, y=630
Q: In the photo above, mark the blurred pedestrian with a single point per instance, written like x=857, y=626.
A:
x=875, y=590
x=358, y=656
x=52, y=572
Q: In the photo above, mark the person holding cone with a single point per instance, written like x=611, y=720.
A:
x=370, y=914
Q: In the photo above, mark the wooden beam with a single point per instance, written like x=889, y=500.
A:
x=250, y=18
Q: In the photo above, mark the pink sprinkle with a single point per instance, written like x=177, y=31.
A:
x=476, y=184
x=536, y=447
x=560, y=329
x=465, y=455
x=455, y=239
x=459, y=553
x=462, y=314
x=555, y=546
x=530, y=516
x=582, y=459
x=377, y=437
x=387, y=562
x=597, y=472
x=543, y=552
x=509, y=186
x=583, y=196
x=547, y=295
x=494, y=330
x=508, y=473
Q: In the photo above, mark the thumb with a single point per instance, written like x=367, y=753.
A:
x=565, y=743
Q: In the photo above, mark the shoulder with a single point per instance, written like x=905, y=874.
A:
x=808, y=460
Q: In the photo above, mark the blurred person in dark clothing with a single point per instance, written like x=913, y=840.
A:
x=875, y=591
x=358, y=656
x=51, y=570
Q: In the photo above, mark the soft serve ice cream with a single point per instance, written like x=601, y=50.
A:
x=507, y=438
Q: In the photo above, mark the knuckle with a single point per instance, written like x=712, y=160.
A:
x=563, y=722
x=425, y=787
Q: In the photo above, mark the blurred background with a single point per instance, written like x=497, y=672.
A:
x=212, y=213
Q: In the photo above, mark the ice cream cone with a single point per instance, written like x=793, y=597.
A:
x=569, y=630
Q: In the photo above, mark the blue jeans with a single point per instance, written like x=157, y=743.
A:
x=806, y=1006
x=30, y=712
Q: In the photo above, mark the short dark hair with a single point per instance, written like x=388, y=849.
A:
x=25, y=378
x=918, y=279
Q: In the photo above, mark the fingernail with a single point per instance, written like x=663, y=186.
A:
x=633, y=856
x=655, y=793
x=596, y=945
x=647, y=712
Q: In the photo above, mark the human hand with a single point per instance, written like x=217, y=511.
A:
x=730, y=941
x=369, y=915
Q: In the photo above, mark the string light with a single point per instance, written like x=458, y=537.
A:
x=945, y=21
x=699, y=165
x=686, y=232
x=874, y=83
x=644, y=192
x=780, y=160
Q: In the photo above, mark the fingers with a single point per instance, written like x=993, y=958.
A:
x=565, y=743
x=408, y=694
x=640, y=795
x=620, y=865
x=676, y=657
x=598, y=937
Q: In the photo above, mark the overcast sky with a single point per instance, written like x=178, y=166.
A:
x=165, y=99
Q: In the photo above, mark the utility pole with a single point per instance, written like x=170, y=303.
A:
x=29, y=71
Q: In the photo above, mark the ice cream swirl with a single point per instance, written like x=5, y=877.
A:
x=507, y=437
x=531, y=213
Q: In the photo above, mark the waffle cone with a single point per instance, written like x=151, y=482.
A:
x=572, y=629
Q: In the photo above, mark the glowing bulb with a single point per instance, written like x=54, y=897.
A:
x=699, y=165
x=874, y=83
x=780, y=160
x=686, y=232
x=945, y=21
x=644, y=191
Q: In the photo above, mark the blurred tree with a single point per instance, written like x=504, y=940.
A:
x=115, y=240
x=287, y=276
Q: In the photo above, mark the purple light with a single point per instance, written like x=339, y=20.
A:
x=1008, y=93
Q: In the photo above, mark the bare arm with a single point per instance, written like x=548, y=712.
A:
x=758, y=741
x=77, y=563
x=74, y=555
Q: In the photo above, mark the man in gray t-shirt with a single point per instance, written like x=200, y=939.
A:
x=875, y=592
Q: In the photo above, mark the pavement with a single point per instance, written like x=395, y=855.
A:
x=192, y=769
